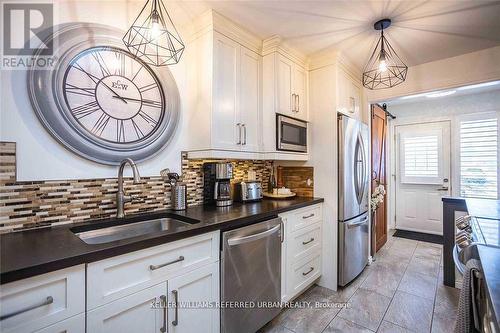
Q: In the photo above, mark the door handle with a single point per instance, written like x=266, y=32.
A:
x=244, y=134
x=309, y=241
x=163, y=301
x=251, y=238
x=47, y=301
x=351, y=225
x=442, y=189
x=239, y=133
x=175, y=322
x=155, y=267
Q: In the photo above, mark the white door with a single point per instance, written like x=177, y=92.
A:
x=250, y=100
x=225, y=131
x=284, y=86
x=300, y=90
x=423, y=176
x=133, y=313
x=191, y=296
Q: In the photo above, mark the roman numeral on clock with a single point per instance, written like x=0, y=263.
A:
x=79, y=90
x=150, y=120
x=85, y=109
x=100, y=124
x=120, y=64
x=148, y=87
x=120, y=131
x=138, y=131
x=102, y=64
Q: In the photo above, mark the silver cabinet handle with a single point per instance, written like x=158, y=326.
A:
x=282, y=227
x=442, y=189
x=154, y=267
x=309, y=241
x=293, y=103
x=244, y=134
x=308, y=216
x=175, y=322
x=163, y=299
x=239, y=133
x=47, y=301
x=298, y=103
x=309, y=271
x=251, y=238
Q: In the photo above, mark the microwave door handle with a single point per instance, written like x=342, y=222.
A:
x=216, y=190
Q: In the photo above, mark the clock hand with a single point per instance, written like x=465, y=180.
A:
x=114, y=92
x=137, y=100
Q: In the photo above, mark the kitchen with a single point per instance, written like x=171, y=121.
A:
x=169, y=153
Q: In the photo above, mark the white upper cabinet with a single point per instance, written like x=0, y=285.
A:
x=250, y=99
x=348, y=95
x=226, y=118
x=291, y=88
x=284, y=85
x=225, y=113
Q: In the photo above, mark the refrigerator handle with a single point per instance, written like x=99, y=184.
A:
x=364, y=170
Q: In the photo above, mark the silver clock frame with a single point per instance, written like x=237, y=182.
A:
x=45, y=90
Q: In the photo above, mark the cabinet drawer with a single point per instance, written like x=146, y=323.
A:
x=116, y=277
x=303, y=273
x=304, y=241
x=34, y=303
x=74, y=324
x=134, y=313
x=303, y=217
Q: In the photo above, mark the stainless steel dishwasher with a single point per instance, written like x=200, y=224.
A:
x=251, y=276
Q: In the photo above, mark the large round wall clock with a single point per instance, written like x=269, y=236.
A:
x=100, y=101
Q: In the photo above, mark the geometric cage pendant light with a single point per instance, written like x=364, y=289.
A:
x=153, y=36
x=384, y=69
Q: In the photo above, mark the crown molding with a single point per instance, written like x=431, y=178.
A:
x=335, y=58
x=213, y=21
x=277, y=44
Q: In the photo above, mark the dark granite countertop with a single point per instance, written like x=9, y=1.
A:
x=490, y=262
x=32, y=252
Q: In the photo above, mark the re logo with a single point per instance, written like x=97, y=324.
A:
x=25, y=27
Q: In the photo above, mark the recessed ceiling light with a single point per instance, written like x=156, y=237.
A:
x=480, y=85
x=441, y=94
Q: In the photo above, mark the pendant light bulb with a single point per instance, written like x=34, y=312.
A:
x=382, y=64
x=155, y=26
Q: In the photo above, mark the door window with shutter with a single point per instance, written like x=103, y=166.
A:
x=421, y=155
x=479, y=156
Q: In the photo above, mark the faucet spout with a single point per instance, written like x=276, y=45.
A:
x=120, y=195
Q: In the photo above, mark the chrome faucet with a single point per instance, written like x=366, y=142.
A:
x=121, y=198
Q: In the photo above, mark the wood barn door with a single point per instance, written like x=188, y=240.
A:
x=378, y=145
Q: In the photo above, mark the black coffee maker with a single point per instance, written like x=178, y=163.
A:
x=217, y=183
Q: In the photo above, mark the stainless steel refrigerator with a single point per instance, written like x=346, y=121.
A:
x=354, y=169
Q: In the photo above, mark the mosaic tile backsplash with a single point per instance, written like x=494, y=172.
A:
x=31, y=204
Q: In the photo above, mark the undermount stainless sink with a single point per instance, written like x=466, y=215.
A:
x=102, y=234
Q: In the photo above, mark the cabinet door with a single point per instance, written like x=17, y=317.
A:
x=192, y=297
x=300, y=89
x=284, y=85
x=250, y=100
x=225, y=131
x=134, y=313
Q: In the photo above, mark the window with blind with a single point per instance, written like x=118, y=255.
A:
x=421, y=156
x=479, y=158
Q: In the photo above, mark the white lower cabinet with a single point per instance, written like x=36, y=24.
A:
x=133, y=313
x=194, y=295
x=183, y=275
x=301, y=250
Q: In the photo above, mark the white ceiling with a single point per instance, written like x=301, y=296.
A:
x=422, y=31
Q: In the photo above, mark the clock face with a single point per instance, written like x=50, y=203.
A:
x=113, y=95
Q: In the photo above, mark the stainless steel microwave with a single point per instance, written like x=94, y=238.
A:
x=291, y=134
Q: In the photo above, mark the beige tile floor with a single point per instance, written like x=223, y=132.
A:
x=401, y=292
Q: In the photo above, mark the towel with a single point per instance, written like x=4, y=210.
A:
x=468, y=317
